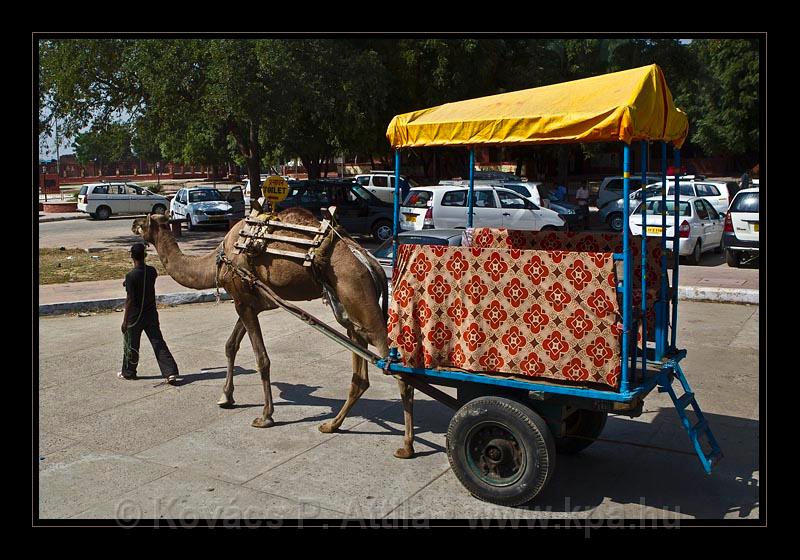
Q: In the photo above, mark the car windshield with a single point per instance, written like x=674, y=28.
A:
x=362, y=192
x=205, y=195
x=654, y=207
x=745, y=202
x=418, y=199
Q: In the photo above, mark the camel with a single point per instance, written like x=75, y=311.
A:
x=352, y=290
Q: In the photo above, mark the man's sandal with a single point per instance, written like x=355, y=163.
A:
x=123, y=376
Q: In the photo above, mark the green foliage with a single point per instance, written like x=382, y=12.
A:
x=108, y=144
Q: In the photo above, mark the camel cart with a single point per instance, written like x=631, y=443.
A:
x=510, y=421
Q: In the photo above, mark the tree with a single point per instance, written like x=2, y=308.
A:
x=111, y=143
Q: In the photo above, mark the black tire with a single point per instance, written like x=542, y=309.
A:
x=92, y=215
x=189, y=225
x=500, y=450
x=719, y=249
x=549, y=228
x=615, y=221
x=159, y=209
x=103, y=213
x=732, y=258
x=382, y=230
x=582, y=428
x=697, y=254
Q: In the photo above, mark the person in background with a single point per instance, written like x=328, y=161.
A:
x=141, y=315
x=582, y=198
x=744, y=182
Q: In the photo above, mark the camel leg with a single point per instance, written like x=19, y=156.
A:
x=407, y=395
x=358, y=384
x=250, y=320
x=231, y=348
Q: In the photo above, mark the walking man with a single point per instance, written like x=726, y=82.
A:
x=141, y=315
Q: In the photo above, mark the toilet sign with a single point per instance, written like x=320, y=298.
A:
x=275, y=189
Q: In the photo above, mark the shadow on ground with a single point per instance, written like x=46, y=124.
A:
x=656, y=478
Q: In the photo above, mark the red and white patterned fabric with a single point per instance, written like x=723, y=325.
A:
x=588, y=242
x=535, y=313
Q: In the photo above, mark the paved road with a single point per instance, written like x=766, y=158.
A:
x=116, y=233
x=110, y=447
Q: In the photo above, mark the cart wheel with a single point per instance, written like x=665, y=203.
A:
x=500, y=450
x=582, y=428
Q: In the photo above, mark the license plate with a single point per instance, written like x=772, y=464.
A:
x=655, y=230
x=755, y=227
x=216, y=218
x=411, y=218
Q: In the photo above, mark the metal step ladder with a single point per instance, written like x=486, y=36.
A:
x=700, y=432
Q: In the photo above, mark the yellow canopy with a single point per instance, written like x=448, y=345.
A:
x=622, y=106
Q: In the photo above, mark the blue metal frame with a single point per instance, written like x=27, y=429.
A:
x=663, y=297
x=676, y=246
x=630, y=386
x=470, y=194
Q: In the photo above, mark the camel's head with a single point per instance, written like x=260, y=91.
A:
x=149, y=226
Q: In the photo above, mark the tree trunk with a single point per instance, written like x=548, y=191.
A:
x=313, y=168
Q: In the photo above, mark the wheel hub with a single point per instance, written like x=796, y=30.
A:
x=494, y=454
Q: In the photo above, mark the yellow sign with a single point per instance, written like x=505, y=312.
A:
x=275, y=188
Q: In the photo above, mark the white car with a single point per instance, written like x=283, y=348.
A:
x=611, y=188
x=206, y=205
x=716, y=192
x=741, y=228
x=381, y=184
x=102, y=200
x=699, y=225
x=445, y=207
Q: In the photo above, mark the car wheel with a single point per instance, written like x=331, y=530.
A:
x=615, y=221
x=732, y=258
x=159, y=209
x=500, y=450
x=697, y=252
x=92, y=215
x=103, y=213
x=719, y=249
x=382, y=230
x=548, y=228
x=189, y=225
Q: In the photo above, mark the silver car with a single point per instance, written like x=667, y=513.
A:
x=102, y=200
x=206, y=205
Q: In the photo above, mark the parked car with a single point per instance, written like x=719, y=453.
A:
x=384, y=252
x=381, y=184
x=612, y=212
x=358, y=210
x=611, y=189
x=740, y=232
x=716, y=192
x=699, y=229
x=445, y=207
x=536, y=192
x=102, y=200
x=204, y=205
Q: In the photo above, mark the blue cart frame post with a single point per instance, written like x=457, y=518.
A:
x=396, y=226
x=626, y=282
x=676, y=252
x=663, y=296
x=644, y=257
x=471, y=193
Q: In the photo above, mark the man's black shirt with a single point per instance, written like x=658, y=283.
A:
x=139, y=282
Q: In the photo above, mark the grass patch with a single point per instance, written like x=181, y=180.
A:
x=56, y=266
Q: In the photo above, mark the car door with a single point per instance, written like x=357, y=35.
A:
x=717, y=224
x=119, y=199
x=451, y=212
x=516, y=213
x=488, y=212
x=236, y=200
x=179, y=204
x=713, y=195
x=705, y=224
x=138, y=201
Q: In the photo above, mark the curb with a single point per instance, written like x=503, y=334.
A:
x=112, y=303
x=718, y=295
x=43, y=220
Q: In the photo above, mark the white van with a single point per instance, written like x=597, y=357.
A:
x=445, y=207
x=381, y=184
x=102, y=200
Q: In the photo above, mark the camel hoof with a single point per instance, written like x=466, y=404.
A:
x=404, y=453
x=262, y=422
x=327, y=428
x=225, y=402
